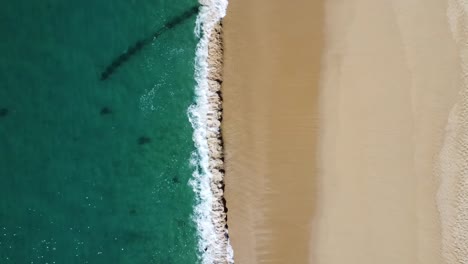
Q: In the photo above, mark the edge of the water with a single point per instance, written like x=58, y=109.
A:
x=206, y=116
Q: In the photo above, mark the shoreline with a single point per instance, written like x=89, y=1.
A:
x=205, y=115
x=215, y=140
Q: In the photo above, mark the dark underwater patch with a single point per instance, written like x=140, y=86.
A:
x=106, y=111
x=143, y=140
x=4, y=112
x=140, y=44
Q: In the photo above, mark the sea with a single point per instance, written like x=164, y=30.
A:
x=97, y=151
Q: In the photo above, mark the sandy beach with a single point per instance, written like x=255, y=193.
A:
x=331, y=142
x=271, y=70
x=389, y=81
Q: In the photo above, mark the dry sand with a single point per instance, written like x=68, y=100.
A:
x=452, y=169
x=271, y=71
x=389, y=80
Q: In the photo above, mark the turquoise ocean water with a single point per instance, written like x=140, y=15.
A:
x=96, y=171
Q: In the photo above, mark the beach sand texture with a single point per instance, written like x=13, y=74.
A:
x=272, y=51
x=452, y=169
x=389, y=80
x=346, y=171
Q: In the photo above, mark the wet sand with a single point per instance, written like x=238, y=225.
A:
x=271, y=70
x=389, y=81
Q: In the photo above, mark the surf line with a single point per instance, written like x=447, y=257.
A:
x=140, y=44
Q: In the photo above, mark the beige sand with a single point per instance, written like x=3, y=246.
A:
x=452, y=169
x=272, y=59
x=389, y=81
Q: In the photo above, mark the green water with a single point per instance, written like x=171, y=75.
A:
x=95, y=171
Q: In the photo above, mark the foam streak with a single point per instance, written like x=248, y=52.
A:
x=205, y=116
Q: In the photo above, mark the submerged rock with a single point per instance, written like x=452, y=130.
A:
x=106, y=111
x=142, y=43
x=144, y=140
x=3, y=112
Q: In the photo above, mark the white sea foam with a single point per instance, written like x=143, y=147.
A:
x=147, y=99
x=213, y=247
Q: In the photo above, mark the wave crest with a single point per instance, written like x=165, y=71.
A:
x=205, y=115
